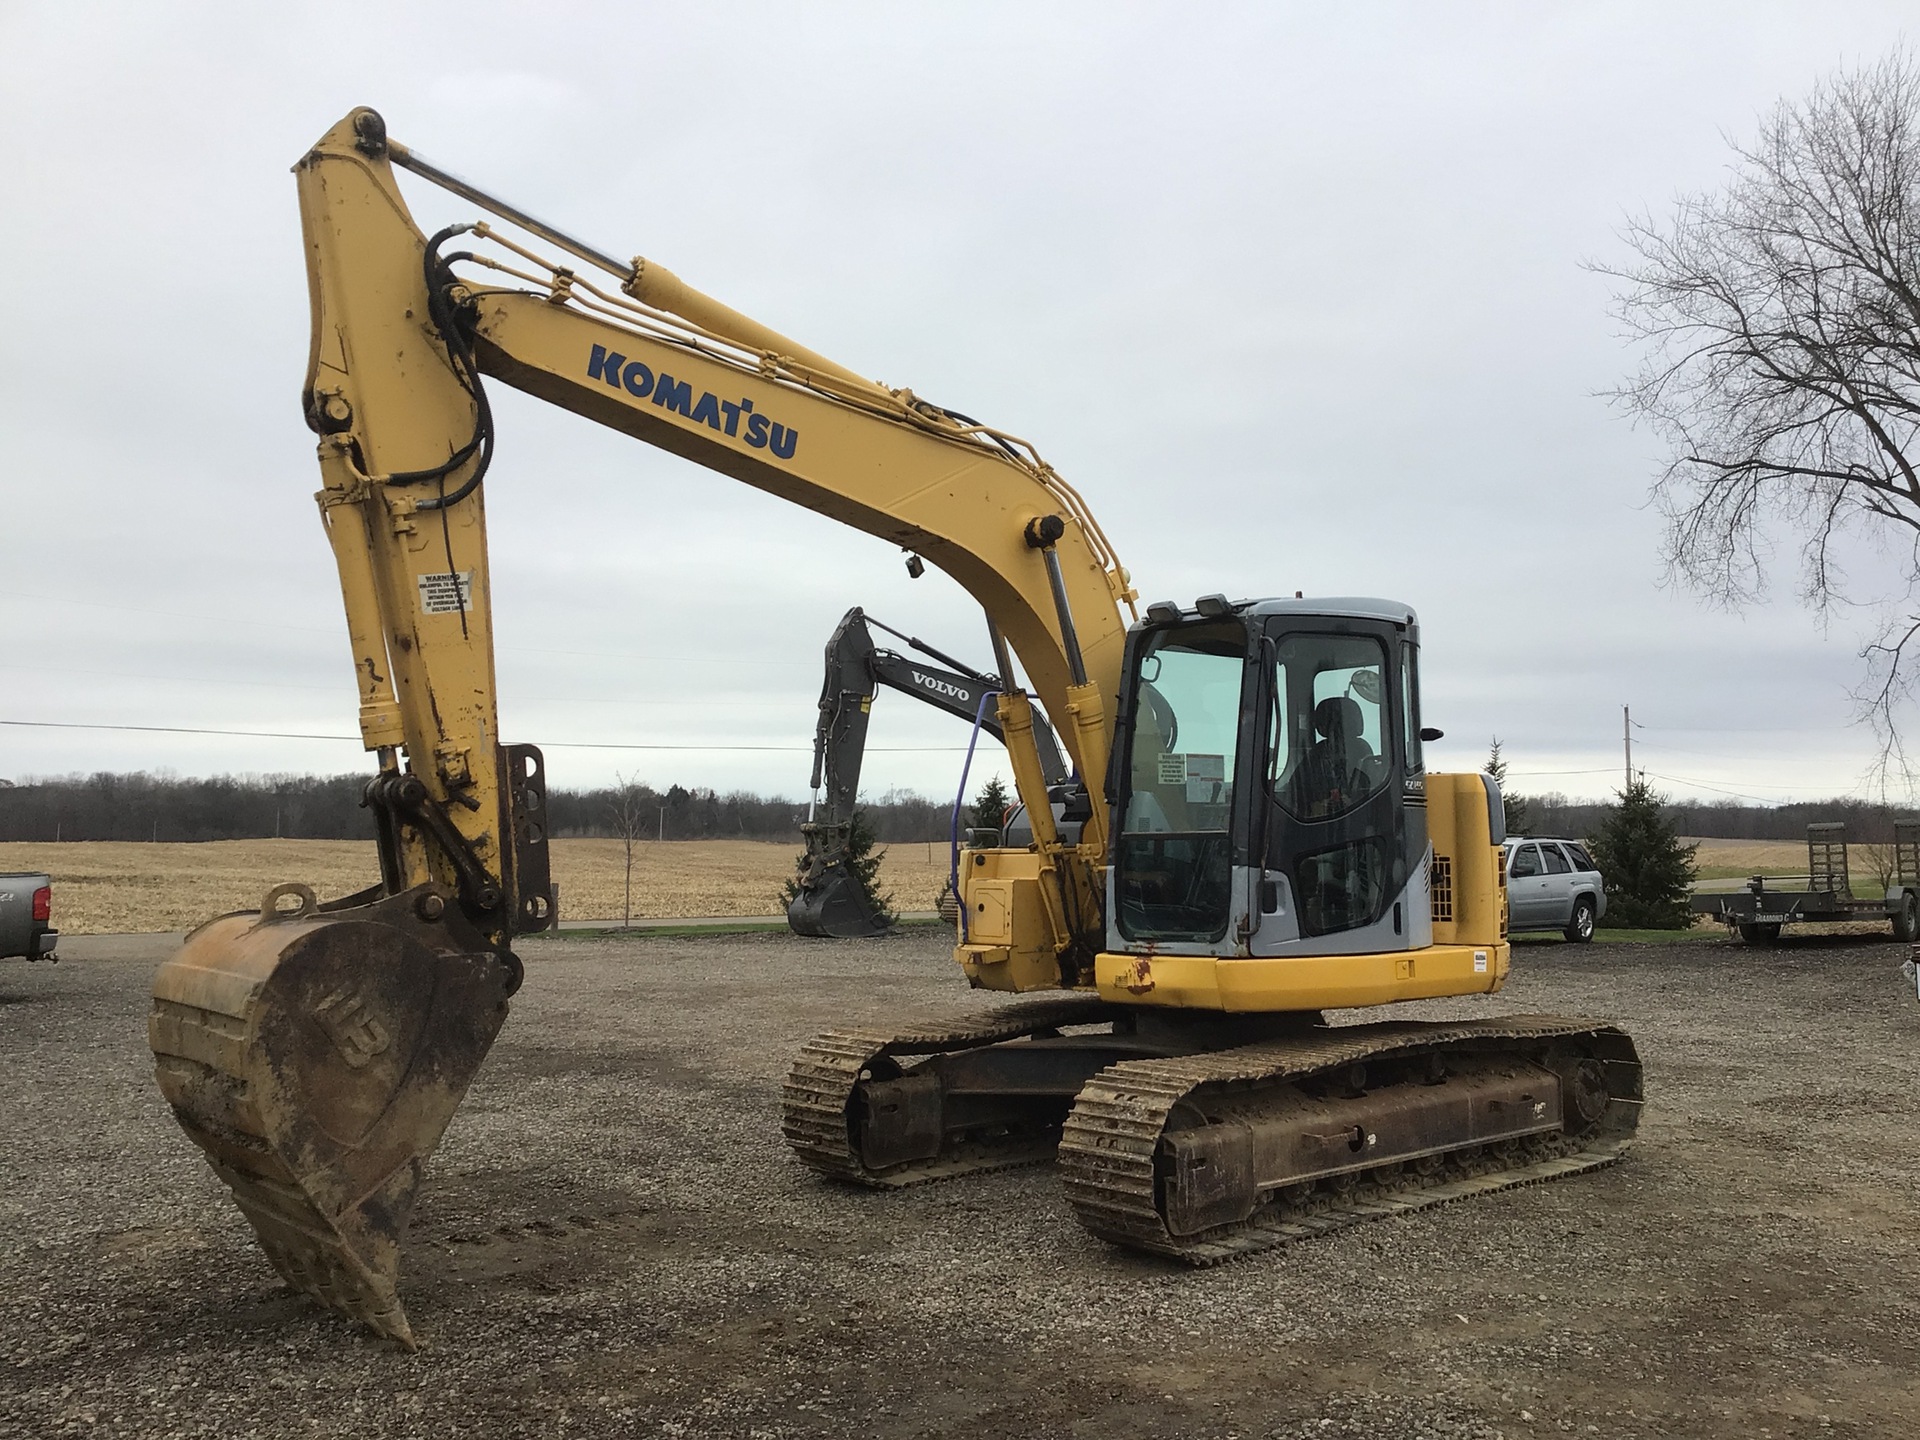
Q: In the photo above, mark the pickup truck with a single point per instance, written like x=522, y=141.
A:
x=26, y=916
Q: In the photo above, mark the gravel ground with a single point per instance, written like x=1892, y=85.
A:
x=612, y=1240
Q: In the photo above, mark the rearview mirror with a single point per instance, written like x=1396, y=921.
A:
x=1427, y=732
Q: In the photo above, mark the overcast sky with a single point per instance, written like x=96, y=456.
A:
x=1292, y=293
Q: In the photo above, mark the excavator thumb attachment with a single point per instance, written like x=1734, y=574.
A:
x=832, y=904
x=317, y=1056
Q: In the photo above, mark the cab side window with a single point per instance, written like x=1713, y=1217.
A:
x=1556, y=862
x=1526, y=862
x=1333, y=749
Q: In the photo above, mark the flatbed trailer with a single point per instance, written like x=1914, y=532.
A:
x=1758, y=912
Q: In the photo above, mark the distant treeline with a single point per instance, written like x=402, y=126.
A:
x=1867, y=823
x=140, y=806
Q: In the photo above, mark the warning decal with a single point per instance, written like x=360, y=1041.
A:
x=446, y=593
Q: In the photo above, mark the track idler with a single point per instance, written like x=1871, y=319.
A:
x=317, y=1057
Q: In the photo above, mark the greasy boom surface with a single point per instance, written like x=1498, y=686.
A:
x=613, y=1242
x=116, y=887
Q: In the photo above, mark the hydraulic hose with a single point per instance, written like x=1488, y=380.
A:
x=439, y=277
x=960, y=799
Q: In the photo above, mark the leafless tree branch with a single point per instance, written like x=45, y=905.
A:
x=1779, y=325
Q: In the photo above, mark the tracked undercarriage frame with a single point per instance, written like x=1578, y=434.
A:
x=1202, y=1138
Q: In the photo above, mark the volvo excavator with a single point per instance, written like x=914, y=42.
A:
x=829, y=901
x=1262, y=840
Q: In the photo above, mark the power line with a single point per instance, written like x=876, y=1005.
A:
x=549, y=698
x=1545, y=774
x=336, y=632
x=1717, y=790
x=546, y=745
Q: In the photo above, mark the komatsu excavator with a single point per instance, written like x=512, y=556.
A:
x=1262, y=842
x=829, y=900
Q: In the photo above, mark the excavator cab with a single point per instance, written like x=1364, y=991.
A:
x=1271, y=792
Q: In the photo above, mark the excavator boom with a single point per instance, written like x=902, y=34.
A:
x=828, y=899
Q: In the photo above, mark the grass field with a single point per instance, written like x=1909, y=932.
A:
x=124, y=887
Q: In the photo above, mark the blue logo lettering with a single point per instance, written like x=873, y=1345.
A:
x=707, y=409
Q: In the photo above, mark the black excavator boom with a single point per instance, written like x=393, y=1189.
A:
x=829, y=900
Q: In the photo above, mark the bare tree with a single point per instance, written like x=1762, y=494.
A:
x=1780, y=317
x=629, y=808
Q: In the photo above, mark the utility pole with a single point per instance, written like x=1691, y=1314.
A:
x=663, y=823
x=1626, y=735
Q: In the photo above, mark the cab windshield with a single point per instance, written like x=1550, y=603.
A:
x=1174, y=857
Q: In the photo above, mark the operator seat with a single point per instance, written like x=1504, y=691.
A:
x=1330, y=778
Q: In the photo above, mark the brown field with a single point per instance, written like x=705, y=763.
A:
x=105, y=888
x=1730, y=859
x=127, y=887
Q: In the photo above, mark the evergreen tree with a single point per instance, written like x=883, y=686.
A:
x=1518, y=818
x=990, y=806
x=1649, y=873
x=861, y=863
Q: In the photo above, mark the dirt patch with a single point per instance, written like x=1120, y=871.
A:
x=612, y=1240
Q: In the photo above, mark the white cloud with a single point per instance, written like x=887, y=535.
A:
x=1293, y=297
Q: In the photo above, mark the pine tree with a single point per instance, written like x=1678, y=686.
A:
x=864, y=865
x=990, y=806
x=1516, y=808
x=1649, y=873
x=861, y=863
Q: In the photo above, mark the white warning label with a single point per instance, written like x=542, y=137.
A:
x=1173, y=769
x=1479, y=962
x=446, y=593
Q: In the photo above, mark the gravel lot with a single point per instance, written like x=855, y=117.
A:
x=613, y=1241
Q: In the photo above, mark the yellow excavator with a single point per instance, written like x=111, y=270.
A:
x=1255, y=837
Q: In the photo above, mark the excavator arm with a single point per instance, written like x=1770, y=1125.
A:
x=856, y=667
x=317, y=1052
x=829, y=901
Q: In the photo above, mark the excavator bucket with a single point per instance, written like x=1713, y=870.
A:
x=316, y=1057
x=831, y=905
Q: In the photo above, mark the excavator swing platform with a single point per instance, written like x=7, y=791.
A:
x=1262, y=843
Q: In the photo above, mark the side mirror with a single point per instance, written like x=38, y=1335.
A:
x=1427, y=732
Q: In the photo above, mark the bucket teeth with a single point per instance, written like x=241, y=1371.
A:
x=317, y=1062
x=342, y=1261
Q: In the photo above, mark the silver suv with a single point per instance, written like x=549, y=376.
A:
x=1553, y=885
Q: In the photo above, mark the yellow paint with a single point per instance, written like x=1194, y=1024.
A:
x=1009, y=940
x=1315, y=982
x=1458, y=825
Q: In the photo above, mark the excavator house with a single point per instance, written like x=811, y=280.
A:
x=1256, y=837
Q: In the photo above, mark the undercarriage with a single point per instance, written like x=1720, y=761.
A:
x=1203, y=1137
